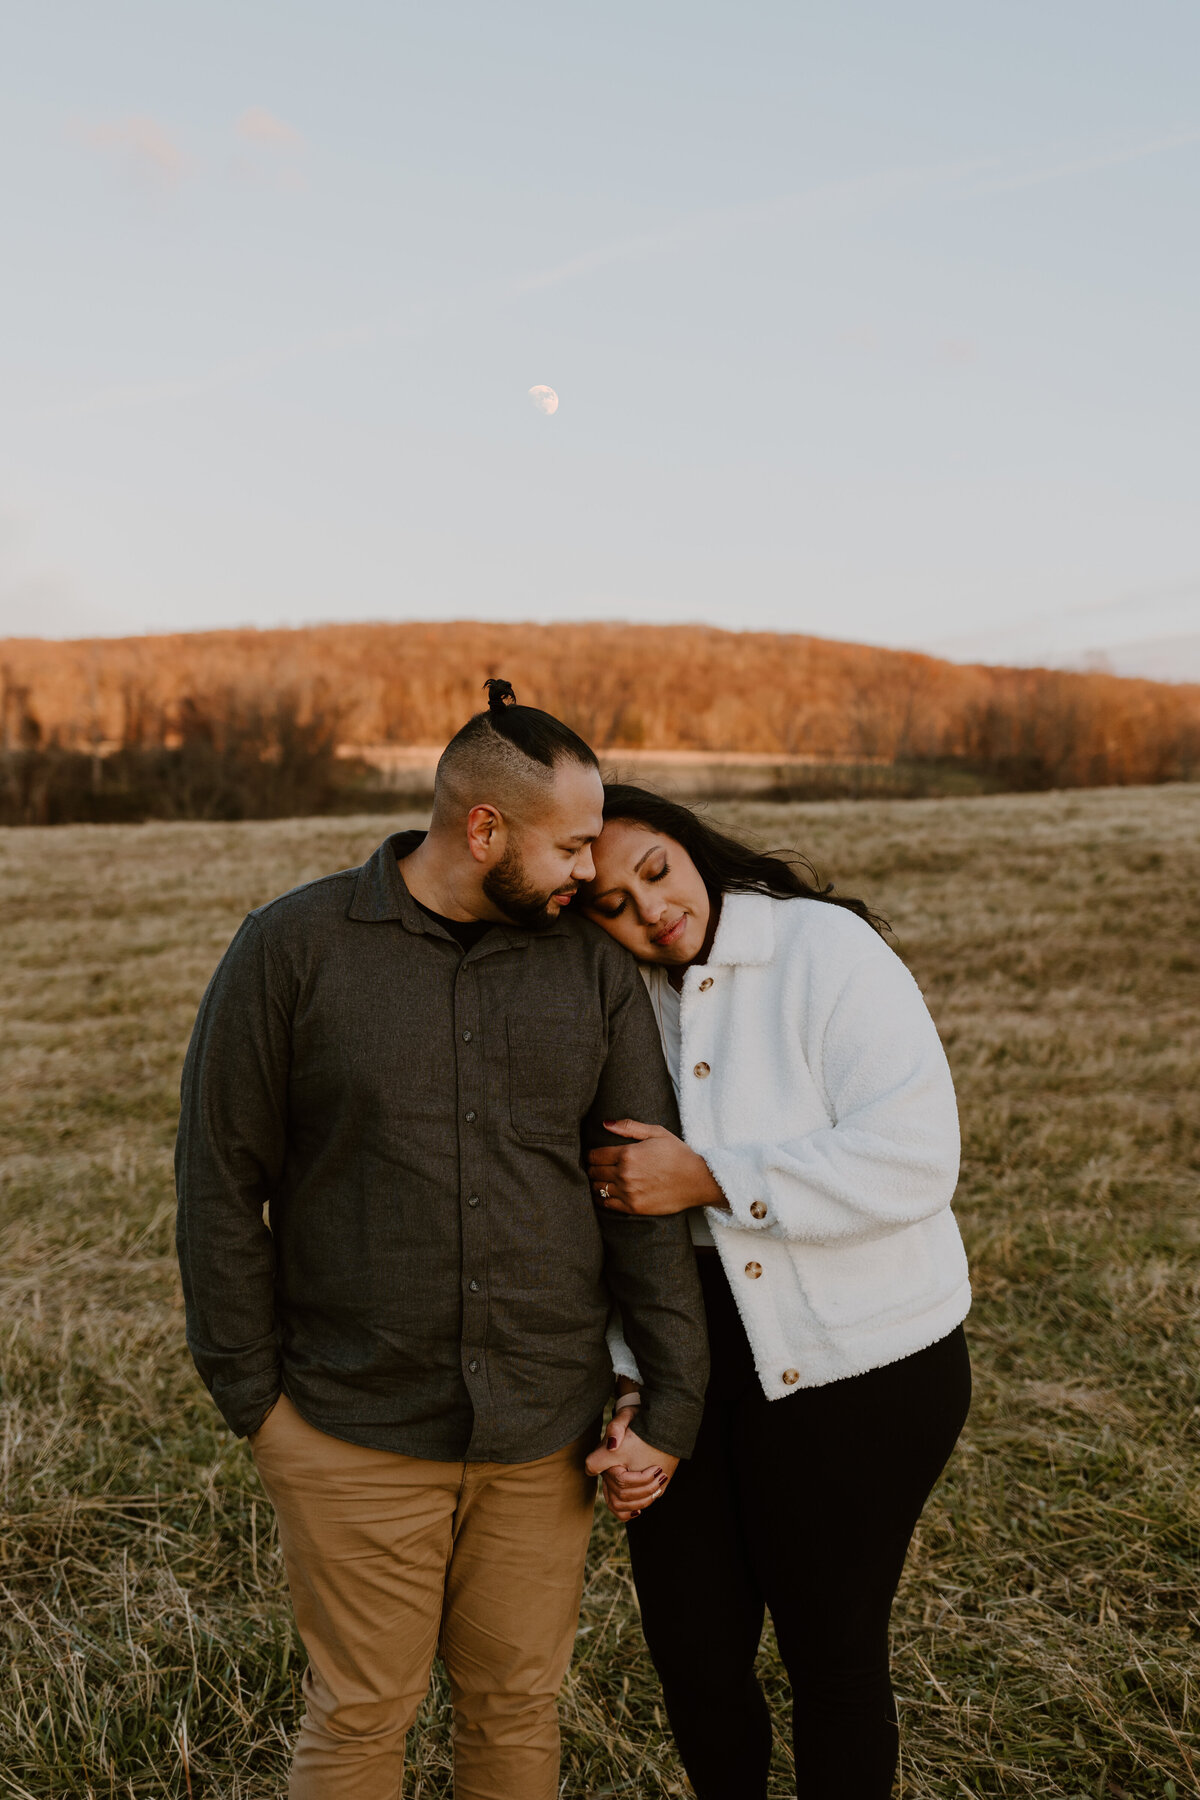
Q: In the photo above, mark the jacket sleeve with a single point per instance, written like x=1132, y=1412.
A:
x=624, y=1362
x=228, y=1158
x=649, y=1264
x=889, y=1158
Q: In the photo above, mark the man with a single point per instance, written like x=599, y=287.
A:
x=405, y=1064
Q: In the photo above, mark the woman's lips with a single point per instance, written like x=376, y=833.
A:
x=664, y=938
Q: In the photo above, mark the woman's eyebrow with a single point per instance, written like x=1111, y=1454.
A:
x=592, y=898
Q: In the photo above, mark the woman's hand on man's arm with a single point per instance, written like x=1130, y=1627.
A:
x=654, y=1174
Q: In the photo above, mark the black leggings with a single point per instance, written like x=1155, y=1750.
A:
x=804, y=1505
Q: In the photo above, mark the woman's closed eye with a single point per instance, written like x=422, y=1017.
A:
x=614, y=912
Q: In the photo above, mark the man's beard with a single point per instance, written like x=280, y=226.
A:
x=508, y=887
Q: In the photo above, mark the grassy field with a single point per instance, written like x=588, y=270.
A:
x=1046, y=1634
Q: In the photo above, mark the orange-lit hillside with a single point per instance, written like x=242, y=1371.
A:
x=636, y=686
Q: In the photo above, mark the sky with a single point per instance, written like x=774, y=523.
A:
x=867, y=320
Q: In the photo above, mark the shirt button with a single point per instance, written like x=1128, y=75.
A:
x=791, y=1376
x=473, y=1200
x=471, y=1117
x=700, y=1071
x=706, y=984
x=466, y=1037
x=758, y=1210
x=474, y=1286
x=473, y=1366
x=754, y=1270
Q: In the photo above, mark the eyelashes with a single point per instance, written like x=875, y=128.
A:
x=618, y=910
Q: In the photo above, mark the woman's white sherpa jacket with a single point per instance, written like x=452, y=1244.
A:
x=814, y=1085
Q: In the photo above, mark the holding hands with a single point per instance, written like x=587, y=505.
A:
x=634, y=1473
x=652, y=1175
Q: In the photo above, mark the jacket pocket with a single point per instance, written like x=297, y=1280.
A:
x=553, y=1069
x=857, y=1285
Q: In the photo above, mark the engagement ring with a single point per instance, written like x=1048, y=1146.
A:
x=604, y=1193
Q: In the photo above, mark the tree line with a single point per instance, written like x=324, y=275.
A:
x=247, y=724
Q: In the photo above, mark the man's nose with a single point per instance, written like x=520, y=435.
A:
x=585, y=868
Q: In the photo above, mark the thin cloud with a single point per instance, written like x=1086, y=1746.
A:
x=833, y=201
x=827, y=202
x=259, y=126
x=1098, y=160
x=143, y=145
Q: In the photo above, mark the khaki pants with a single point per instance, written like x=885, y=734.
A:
x=389, y=1558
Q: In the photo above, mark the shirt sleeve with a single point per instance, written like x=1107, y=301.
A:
x=649, y=1264
x=228, y=1159
x=891, y=1155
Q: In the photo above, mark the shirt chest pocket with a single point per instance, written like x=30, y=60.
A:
x=553, y=1071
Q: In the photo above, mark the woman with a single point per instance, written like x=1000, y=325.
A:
x=818, y=1160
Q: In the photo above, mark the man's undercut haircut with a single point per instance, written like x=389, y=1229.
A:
x=505, y=756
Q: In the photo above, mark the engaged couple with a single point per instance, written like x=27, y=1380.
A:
x=574, y=1106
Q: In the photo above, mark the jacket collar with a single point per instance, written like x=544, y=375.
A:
x=381, y=893
x=746, y=932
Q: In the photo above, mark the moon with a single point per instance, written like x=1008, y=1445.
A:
x=544, y=398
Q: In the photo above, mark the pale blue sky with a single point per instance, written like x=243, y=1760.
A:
x=876, y=320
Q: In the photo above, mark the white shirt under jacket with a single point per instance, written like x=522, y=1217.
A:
x=813, y=1083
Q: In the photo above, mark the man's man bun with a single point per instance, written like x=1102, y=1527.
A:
x=500, y=694
x=505, y=755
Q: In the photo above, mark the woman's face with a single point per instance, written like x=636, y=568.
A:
x=647, y=894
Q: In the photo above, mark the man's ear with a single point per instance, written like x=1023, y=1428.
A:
x=486, y=833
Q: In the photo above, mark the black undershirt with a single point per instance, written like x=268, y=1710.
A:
x=466, y=932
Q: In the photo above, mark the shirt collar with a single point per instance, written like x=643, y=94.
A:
x=381, y=893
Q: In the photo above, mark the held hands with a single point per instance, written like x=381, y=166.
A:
x=634, y=1473
x=654, y=1174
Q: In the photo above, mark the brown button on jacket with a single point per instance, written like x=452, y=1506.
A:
x=434, y=1277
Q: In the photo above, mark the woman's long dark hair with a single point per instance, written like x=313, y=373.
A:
x=726, y=865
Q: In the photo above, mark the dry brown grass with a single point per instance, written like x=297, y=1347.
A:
x=1047, y=1629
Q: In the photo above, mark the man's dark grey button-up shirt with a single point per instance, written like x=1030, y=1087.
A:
x=435, y=1278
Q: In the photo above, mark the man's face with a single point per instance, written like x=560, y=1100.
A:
x=548, y=857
